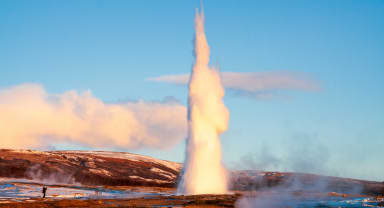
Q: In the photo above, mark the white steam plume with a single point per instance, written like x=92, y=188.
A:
x=203, y=172
x=32, y=118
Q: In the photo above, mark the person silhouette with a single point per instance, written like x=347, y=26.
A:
x=44, y=191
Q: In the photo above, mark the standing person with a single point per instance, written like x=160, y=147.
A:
x=44, y=191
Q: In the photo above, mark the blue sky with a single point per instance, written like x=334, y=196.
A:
x=112, y=47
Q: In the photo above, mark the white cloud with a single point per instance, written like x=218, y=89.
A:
x=32, y=118
x=260, y=84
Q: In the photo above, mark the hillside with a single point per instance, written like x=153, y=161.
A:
x=88, y=168
x=299, y=182
x=125, y=169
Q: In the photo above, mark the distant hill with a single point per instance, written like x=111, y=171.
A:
x=126, y=169
x=302, y=182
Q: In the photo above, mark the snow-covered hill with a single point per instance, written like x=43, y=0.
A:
x=88, y=167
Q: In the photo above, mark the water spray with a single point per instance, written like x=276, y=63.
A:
x=203, y=171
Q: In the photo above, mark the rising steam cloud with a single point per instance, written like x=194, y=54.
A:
x=32, y=118
x=203, y=172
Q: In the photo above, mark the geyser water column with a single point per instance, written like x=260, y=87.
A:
x=203, y=171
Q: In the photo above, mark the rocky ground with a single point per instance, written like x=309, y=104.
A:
x=268, y=199
x=153, y=201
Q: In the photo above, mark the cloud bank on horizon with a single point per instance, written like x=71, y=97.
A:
x=257, y=84
x=32, y=118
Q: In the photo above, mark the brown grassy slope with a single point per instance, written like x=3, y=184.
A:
x=84, y=168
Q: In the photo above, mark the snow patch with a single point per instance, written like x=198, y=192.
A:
x=100, y=172
x=128, y=156
x=149, y=180
x=163, y=173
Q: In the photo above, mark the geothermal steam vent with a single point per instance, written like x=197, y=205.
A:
x=203, y=172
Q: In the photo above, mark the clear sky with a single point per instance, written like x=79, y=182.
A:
x=112, y=48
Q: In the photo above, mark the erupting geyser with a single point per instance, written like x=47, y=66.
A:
x=203, y=172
